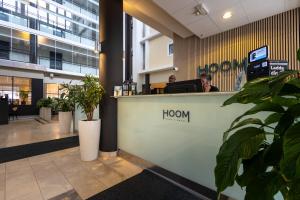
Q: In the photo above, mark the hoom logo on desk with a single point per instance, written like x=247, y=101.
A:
x=176, y=115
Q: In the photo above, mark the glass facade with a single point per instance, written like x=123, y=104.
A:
x=55, y=19
x=6, y=85
x=17, y=89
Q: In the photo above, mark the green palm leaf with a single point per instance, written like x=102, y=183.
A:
x=242, y=145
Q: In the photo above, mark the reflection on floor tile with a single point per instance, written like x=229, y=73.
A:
x=70, y=195
x=61, y=175
x=27, y=131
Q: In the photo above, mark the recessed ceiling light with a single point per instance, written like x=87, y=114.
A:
x=227, y=15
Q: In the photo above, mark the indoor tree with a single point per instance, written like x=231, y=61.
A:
x=263, y=155
x=89, y=95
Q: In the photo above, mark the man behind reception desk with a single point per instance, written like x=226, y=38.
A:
x=172, y=79
x=197, y=85
x=206, y=83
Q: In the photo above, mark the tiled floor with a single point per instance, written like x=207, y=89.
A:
x=50, y=175
x=27, y=131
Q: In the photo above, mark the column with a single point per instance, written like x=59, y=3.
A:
x=110, y=70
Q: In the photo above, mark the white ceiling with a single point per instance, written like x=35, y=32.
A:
x=243, y=12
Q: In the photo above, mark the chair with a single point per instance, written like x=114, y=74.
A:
x=14, y=111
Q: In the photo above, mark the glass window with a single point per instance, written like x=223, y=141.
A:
x=6, y=87
x=61, y=22
x=52, y=19
x=5, y=31
x=5, y=47
x=170, y=49
x=9, y=4
x=20, y=50
x=21, y=35
x=32, y=1
x=43, y=15
x=22, y=91
x=53, y=90
x=68, y=25
x=42, y=4
x=68, y=14
x=32, y=12
x=61, y=11
x=52, y=8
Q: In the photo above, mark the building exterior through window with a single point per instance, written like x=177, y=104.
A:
x=50, y=40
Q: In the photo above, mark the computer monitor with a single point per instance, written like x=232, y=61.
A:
x=189, y=86
x=259, y=54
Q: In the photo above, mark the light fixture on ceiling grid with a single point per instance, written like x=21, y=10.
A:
x=200, y=10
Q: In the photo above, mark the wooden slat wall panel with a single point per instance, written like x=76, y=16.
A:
x=279, y=32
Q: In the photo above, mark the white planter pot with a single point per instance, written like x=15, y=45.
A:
x=64, y=120
x=47, y=114
x=89, y=138
x=42, y=112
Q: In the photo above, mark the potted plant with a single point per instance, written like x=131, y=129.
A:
x=262, y=155
x=24, y=96
x=65, y=108
x=45, y=106
x=70, y=92
x=88, y=97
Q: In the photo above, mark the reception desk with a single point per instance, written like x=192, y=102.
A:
x=179, y=132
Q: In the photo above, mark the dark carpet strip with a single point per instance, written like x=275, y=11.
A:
x=70, y=195
x=205, y=191
x=145, y=186
x=28, y=150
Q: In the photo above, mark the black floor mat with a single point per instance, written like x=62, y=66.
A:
x=145, y=186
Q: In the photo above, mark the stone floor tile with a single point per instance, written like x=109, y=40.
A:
x=84, y=182
x=103, y=173
x=2, y=181
x=21, y=184
x=125, y=168
x=51, y=181
x=17, y=165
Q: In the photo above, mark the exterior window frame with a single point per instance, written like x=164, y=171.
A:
x=169, y=53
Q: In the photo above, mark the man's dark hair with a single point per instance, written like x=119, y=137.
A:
x=208, y=77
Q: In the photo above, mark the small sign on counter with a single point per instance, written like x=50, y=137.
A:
x=117, y=91
x=277, y=67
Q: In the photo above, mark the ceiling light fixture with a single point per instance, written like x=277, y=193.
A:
x=200, y=10
x=227, y=15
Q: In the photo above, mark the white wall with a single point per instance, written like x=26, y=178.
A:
x=137, y=61
x=156, y=54
x=20, y=73
x=161, y=77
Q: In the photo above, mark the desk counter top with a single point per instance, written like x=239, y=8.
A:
x=180, y=95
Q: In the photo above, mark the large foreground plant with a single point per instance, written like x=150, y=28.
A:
x=265, y=150
x=89, y=95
